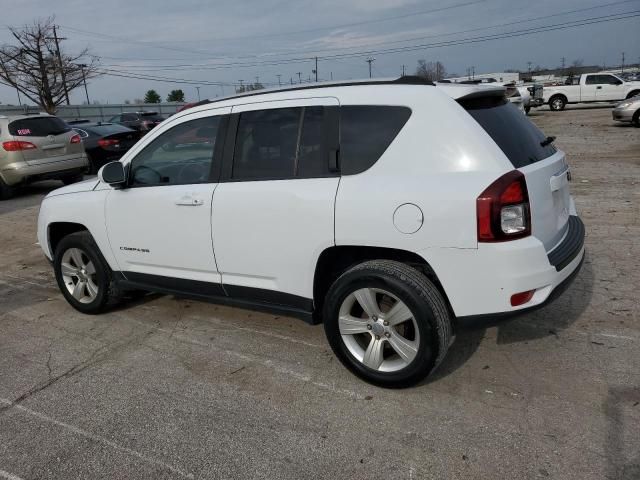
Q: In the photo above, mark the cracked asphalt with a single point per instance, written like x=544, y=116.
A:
x=170, y=388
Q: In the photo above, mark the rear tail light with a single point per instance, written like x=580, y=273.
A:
x=521, y=298
x=16, y=146
x=503, y=211
x=108, y=142
x=75, y=139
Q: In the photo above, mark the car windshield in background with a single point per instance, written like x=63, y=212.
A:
x=38, y=127
x=151, y=116
x=106, y=129
x=519, y=139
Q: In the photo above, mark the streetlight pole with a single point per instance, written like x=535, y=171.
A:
x=198, y=90
x=84, y=80
x=370, y=60
x=279, y=82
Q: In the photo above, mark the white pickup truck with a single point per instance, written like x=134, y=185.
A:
x=590, y=87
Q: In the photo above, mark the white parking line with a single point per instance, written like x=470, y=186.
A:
x=9, y=476
x=95, y=438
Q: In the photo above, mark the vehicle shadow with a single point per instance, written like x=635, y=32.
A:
x=28, y=196
x=549, y=320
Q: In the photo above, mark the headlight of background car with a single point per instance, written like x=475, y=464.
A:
x=624, y=104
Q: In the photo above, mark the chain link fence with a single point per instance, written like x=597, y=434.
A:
x=95, y=113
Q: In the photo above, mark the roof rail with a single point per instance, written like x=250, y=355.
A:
x=403, y=80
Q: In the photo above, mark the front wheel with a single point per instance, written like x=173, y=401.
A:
x=6, y=192
x=557, y=103
x=83, y=276
x=387, y=323
x=636, y=119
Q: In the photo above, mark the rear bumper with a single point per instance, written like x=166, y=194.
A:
x=481, y=281
x=21, y=172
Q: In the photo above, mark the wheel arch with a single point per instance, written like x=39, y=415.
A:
x=334, y=261
x=633, y=93
x=56, y=231
x=556, y=95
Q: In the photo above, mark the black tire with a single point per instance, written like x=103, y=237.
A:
x=557, y=103
x=636, y=119
x=108, y=293
x=93, y=167
x=6, y=192
x=527, y=110
x=70, y=179
x=419, y=294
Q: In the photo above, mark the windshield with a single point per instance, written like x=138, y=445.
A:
x=519, y=139
x=38, y=127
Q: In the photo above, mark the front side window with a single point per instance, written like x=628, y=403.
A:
x=593, y=80
x=280, y=143
x=181, y=155
x=610, y=79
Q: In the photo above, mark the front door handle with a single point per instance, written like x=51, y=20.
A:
x=598, y=88
x=189, y=201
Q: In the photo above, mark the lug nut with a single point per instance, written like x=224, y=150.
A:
x=385, y=323
x=387, y=334
x=377, y=337
x=368, y=327
x=374, y=318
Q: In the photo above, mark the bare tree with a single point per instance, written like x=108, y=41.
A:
x=432, y=71
x=39, y=70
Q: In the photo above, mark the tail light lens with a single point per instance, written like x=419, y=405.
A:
x=521, y=298
x=75, y=139
x=16, y=146
x=503, y=211
x=108, y=142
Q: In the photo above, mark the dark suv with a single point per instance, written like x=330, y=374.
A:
x=141, y=121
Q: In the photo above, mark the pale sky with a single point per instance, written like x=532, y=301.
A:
x=206, y=42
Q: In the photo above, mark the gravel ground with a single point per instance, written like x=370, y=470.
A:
x=170, y=388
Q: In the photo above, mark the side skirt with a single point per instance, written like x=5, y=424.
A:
x=267, y=301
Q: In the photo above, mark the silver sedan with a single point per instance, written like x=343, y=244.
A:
x=628, y=111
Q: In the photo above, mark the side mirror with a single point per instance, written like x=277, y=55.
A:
x=113, y=174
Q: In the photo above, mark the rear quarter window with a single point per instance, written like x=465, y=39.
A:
x=38, y=127
x=366, y=131
x=510, y=129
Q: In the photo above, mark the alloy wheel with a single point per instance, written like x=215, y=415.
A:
x=79, y=275
x=378, y=329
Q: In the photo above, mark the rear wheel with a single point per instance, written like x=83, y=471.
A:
x=557, y=103
x=527, y=110
x=636, y=119
x=6, y=192
x=387, y=323
x=83, y=276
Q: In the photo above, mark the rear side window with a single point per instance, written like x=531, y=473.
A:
x=281, y=143
x=366, y=131
x=38, y=127
x=513, y=132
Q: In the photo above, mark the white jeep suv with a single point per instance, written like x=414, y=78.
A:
x=384, y=209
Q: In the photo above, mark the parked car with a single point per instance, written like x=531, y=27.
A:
x=105, y=142
x=38, y=147
x=628, y=111
x=141, y=121
x=536, y=96
x=384, y=209
x=589, y=88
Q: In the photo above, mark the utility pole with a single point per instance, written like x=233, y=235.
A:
x=316, y=70
x=473, y=72
x=198, y=89
x=84, y=80
x=331, y=75
x=403, y=70
x=468, y=73
x=279, y=82
x=299, y=77
x=18, y=92
x=241, y=86
x=62, y=74
x=257, y=79
x=622, y=69
x=529, y=67
x=291, y=80
x=370, y=60
x=563, y=71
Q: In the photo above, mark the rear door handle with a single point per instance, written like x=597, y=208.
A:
x=189, y=201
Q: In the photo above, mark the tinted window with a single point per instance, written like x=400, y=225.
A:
x=181, y=155
x=592, y=80
x=610, y=79
x=512, y=131
x=116, y=118
x=312, y=155
x=151, y=116
x=38, y=127
x=266, y=144
x=129, y=117
x=366, y=132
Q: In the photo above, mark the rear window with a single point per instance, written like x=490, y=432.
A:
x=38, y=127
x=513, y=132
x=151, y=116
x=366, y=131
